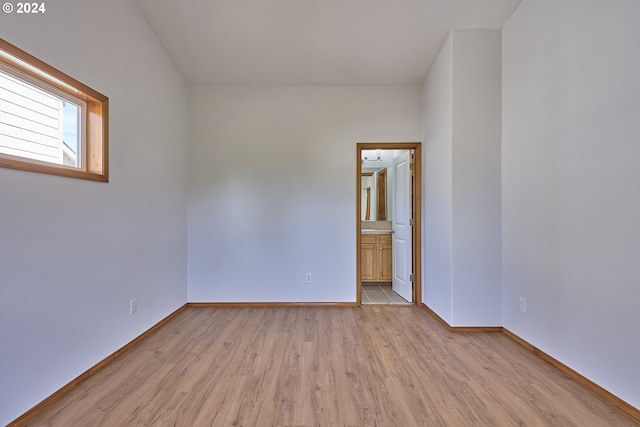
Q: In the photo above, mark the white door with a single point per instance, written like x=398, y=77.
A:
x=402, y=229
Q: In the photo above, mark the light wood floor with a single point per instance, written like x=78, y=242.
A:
x=327, y=366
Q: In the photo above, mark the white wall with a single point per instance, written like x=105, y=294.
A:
x=462, y=180
x=273, y=186
x=570, y=185
x=476, y=241
x=438, y=183
x=73, y=253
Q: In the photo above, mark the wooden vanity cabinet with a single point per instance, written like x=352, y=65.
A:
x=375, y=256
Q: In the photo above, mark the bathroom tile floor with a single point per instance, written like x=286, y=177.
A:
x=381, y=294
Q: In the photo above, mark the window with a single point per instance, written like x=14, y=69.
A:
x=50, y=122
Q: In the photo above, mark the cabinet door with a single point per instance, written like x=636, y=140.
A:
x=368, y=258
x=385, y=258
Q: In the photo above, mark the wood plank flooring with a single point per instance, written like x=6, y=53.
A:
x=327, y=366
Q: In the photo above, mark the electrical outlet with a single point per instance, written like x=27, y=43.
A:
x=308, y=278
x=523, y=305
x=133, y=305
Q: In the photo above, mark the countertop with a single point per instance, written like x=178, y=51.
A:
x=374, y=231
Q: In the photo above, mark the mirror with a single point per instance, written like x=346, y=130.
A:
x=374, y=184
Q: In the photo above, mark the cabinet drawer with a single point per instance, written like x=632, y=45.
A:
x=368, y=238
x=384, y=238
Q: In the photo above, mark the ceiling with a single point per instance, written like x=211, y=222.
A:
x=319, y=42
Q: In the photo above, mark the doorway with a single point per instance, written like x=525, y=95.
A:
x=406, y=268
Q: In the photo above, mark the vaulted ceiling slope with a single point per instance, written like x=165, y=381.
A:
x=313, y=41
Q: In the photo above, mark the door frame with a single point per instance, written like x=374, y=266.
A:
x=416, y=192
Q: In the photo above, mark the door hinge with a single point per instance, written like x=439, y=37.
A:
x=411, y=277
x=411, y=222
x=411, y=166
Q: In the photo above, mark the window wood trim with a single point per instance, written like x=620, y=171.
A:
x=95, y=163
